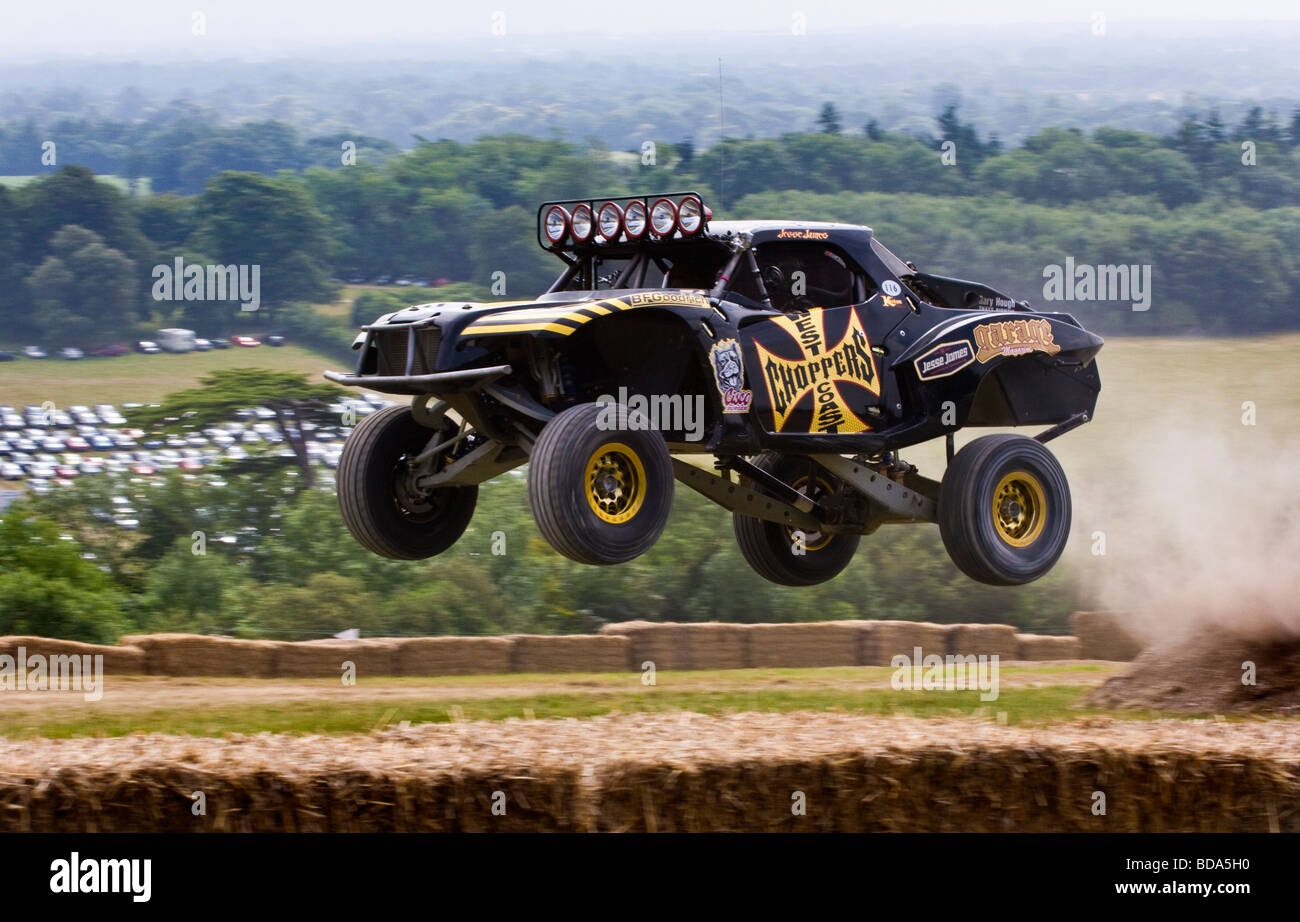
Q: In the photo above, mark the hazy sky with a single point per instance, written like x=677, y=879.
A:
x=166, y=28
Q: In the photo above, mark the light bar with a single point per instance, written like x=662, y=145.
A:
x=611, y=221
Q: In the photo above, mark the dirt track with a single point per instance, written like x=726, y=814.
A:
x=134, y=694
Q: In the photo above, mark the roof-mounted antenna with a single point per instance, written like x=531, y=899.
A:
x=721, y=135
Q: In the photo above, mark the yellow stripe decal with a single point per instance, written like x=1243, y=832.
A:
x=521, y=328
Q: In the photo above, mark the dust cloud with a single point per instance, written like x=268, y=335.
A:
x=1201, y=525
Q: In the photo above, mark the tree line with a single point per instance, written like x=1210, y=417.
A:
x=262, y=556
x=1214, y=210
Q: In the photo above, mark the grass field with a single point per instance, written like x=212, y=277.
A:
x=1039, y=694
x=137, y=378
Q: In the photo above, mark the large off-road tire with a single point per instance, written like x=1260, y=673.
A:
x=1004, y=510
x=378, y=508
x=599, y=489
x=774, y=550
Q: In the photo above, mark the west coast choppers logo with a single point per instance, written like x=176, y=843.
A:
x=729, y=373
x=1014, y=337
x=823, y=371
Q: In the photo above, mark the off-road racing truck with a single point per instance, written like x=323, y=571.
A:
x=814, y=353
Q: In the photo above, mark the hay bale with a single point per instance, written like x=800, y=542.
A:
x=1103, y=635
x=886, y=639
x=821, y=643
x=452, y=656
x=325, y=658
x=671, y=772
x=661, y=643
x=982, y=640
x=127, y=659
x=1047, y=647
x=201, y=655
x=570, y=653
x=716, y=645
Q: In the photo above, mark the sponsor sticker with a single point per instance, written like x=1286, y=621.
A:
x=987, y=303
x=1014, y=337
x=891, y=288
x=729, y=375
x=944, y=359
x=667, y=297
x=824, y=369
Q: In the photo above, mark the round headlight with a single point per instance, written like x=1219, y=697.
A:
x=555, y=224
x=634, y=220
x=690, y=215
x=581, y=223
x=663, y=217
x=609, y=221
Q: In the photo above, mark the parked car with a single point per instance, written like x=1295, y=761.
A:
x=109, y=350
x=71, y=353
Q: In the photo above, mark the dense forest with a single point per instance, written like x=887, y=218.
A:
x=1213, y=209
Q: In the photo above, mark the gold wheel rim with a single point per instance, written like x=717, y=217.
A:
x=1019, y=509
x=615, y=483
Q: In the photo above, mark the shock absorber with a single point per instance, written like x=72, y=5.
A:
x=568, y=382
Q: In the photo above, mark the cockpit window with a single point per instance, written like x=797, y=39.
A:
x=802, y=275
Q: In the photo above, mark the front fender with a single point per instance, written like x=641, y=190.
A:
x=1001, y=368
